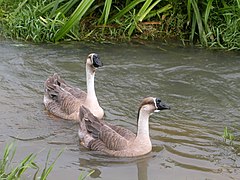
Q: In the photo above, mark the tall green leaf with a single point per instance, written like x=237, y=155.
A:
x=143, y=9
x=74, y=18
x=148, y=10
x=47, y=169
x=106, y=11
x=193, y=29
x=66, y=7
x=126, y=9
x=189, y=10
x=202, y=33
x=161, y=10
x=207, y=12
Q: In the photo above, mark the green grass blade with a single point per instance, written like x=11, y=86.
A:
x=74, y=18
x=56, y=4
x=82, y=177
x=140, y=16
x=238, y=3
x=218, y=41
x=159, y=11
x=126, y=9
x=148, y=10
x=20, y=6
x=52, y=5
x=65, y=8
x=202, y=35
x=207, y=12
x=189, y=10
x=143, y=9
x=22, y=167
x=25, y=164
x=47, y=169
x=131, y=29
x=193, y=29
x=6, y=159
x=106, y=11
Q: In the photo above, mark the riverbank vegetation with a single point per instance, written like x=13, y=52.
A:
x=210, y=23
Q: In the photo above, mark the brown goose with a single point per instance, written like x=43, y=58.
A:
x=64, y=101
x=115, y=140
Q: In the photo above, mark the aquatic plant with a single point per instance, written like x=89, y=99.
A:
x=227, y=135
x=82, y=176
x=9, y=173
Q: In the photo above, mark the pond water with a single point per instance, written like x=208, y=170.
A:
x=201, y=86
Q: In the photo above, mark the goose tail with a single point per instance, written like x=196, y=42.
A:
x=50, y=87
x=85, y=132
x=52, y=81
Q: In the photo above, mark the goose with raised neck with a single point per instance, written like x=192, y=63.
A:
x=117, y=141
x=64, y=101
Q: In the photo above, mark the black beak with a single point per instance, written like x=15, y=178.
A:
x=161, y=105
x=96, y=61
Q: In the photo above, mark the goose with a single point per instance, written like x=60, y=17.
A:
x=64, y=101
x=112, y=140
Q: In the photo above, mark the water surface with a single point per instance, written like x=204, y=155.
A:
x=202, y=87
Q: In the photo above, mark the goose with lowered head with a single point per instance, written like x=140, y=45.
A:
x=64, y=101
x=115, y=140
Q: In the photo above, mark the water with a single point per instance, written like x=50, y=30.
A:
x=202, y=87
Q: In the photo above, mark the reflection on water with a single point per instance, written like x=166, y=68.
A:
x=201, y=86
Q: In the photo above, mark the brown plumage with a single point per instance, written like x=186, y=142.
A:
x=113, y=140
x=64, y=101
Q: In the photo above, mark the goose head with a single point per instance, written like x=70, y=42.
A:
x=150, y=105
x=93, y=61
x=147, y=107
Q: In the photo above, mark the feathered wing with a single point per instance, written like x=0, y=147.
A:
x=103, y=135
x=126, y=133
x=57, y=80
x=61, y=102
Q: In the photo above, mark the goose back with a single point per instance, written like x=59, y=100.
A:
x=101, y=130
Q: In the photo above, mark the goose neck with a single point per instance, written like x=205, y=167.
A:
x=90, y=74
x=143, y=124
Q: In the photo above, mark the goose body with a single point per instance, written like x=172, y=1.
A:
x=64, y=101
x=115, y=140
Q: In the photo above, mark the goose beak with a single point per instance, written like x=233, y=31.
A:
x=161, y=105
x=96, y=61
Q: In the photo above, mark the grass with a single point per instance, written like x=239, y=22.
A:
x=8, y=172
x=227, y=135
x=209, y=23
